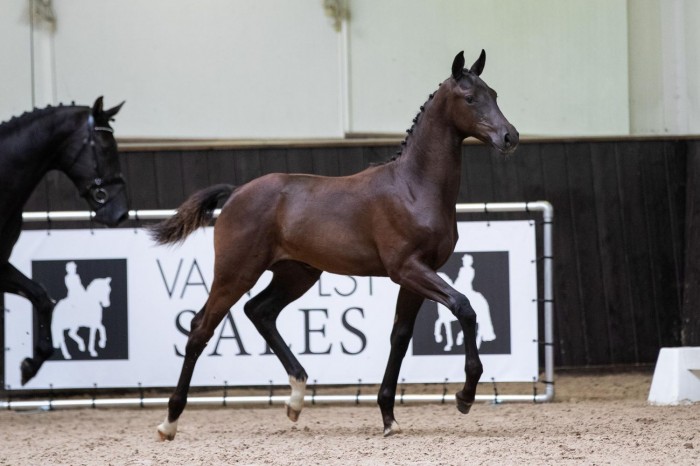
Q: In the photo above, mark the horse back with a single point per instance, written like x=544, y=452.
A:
x=326, y=222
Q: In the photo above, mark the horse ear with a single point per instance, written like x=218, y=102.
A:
x=97, y=107
x=113, y=111
x=478, y=65
x=458, y=66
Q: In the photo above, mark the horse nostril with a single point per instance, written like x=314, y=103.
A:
x=507, y=140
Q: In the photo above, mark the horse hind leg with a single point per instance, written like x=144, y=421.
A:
x=73, y=333
x=222, y=297
x=64, y=349
x=290, y=280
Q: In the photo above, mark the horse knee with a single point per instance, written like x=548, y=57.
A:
x=43, y=302
x=464, y=312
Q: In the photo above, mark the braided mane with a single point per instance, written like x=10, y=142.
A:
x=20, y=120
x=409, y=131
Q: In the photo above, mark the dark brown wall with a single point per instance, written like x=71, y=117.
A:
x=619, y=227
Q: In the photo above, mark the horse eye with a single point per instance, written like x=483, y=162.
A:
x=470, y=99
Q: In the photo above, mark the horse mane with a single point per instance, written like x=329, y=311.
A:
x=409, y=131
x=21, y=120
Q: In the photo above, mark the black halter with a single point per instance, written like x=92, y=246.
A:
x=97, y=188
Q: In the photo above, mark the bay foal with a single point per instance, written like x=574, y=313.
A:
x=396, y=219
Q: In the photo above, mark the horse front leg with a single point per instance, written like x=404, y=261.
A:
x=91, y=342
x=422, y=280
x=102, y=342
x=472, y=365
x=407, y=306
x=13, y=281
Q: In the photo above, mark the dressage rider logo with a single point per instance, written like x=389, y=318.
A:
x=89, y=321
x=483, y=278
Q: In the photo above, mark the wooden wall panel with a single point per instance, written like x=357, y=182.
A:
x=615, y=271
x=619, y=227
x=690, y=312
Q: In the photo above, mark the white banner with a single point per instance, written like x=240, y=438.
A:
x=124, y=307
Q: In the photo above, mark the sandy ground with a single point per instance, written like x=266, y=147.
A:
x=596, y=419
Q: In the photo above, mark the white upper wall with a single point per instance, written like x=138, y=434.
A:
x=15, y=61
x=664, y=66
x=206, y=69
x=278, y=69
x=560, y=67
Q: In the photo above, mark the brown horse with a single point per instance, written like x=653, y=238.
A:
x=396, y=219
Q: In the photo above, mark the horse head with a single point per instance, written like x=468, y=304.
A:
x=474, y=109
x=100, y=289
x=91, y=161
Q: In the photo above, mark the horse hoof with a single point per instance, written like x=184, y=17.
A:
x=293, y=414
x=462, y=405
x=167, y=430
x=392, y=429
x=162, y=436
x=28, y=370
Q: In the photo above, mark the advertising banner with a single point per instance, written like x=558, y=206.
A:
x=124, y=306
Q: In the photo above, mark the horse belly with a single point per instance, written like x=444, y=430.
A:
x=335, y=250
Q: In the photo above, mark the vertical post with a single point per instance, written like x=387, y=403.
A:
x=547, y=218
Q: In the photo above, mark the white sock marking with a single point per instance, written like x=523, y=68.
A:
x=296, y=400
x=168, y=428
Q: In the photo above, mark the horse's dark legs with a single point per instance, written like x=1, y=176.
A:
x=407, y=307
x=289, y=282
x=224, y=294
x=427, y=283
x=472, y=365
x=13, y=281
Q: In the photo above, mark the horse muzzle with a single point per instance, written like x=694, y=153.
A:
x=506, y=142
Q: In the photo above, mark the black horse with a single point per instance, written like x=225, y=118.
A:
x=78, y=141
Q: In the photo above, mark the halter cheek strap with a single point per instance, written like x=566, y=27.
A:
x=97, y=188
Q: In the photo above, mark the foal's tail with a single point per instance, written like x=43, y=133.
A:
x=197, y=211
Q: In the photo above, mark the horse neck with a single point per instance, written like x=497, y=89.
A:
x=432, y=157
x=35, y=145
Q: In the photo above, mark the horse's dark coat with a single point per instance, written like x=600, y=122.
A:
x=396, y=219
x=78, y=141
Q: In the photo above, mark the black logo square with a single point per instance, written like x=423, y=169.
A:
x=483, y=277
x=90, y=319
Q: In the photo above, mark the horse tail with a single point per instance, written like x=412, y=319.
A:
x=197, y=211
